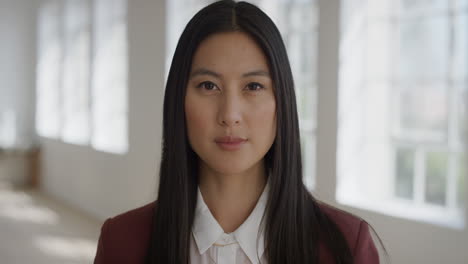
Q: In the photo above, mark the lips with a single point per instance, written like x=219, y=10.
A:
x=229, y=139
x=230, y=143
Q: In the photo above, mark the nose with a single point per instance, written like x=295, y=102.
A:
x=230, y=110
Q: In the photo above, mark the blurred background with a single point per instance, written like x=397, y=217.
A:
x=381, y=86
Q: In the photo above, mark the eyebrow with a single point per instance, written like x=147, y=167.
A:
x=204, y=71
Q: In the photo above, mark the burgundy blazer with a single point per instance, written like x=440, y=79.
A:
x=125, y=238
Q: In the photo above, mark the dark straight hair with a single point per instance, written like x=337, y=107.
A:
x=294, y=223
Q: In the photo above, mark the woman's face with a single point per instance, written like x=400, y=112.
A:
x=230, y=104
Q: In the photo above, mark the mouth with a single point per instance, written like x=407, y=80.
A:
x=230, y=143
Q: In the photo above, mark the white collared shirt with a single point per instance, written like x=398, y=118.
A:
x=209, y=244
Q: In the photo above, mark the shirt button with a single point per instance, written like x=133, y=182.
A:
x=227, y=238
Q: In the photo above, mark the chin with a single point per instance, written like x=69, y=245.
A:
x=231, y=167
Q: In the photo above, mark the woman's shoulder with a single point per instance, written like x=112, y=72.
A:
x=137, y=215
x=124, y=238
x=347, y=222
x=135, y=223
x=356, y=232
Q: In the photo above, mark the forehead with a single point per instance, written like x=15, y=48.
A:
x=231, y=52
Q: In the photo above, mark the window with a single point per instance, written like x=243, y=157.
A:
x=296, y=20
x=110, y=82
x=403, y=91
x=50, y=53
x=76, y=72
x=82, y=73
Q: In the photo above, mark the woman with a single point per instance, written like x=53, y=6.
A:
x=231, y=187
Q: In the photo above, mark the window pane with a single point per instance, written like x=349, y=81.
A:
x=308, y=158
x=404, y=186
x=110, y=77
x=436, y=177
x=376, y=8
x=462, y=5
x=424, y=110
x=462, y=182
x=423, y=6
x=76, y=126
x=460, y=50
x=379, y=60
x=49, y=64
x=463, y=113
x=297, y=23
x=424, y=49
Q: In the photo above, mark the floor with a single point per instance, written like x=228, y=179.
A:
x=37, y=229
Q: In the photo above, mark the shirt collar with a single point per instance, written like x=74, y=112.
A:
x=207, y=231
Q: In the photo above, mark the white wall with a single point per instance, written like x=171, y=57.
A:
x=106, y=184
x=17, y=67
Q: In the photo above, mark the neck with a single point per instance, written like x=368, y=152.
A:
x=232, y=197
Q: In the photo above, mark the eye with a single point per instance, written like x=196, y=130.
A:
x=207, y=85
x=253, y=86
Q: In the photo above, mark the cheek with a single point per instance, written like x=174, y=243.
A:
x=197, y=117
x=265, y=121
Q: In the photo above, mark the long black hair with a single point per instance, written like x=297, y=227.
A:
x=294, y=223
